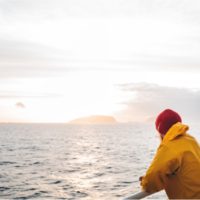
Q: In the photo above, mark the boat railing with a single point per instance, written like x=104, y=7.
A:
x=139, y=195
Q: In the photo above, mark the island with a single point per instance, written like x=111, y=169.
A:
x=95, y=119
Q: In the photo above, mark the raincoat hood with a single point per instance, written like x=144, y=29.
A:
x=175, y=131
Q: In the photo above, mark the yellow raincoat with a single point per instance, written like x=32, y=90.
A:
x=176, y=166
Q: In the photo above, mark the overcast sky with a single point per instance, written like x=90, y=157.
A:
x=74, y=56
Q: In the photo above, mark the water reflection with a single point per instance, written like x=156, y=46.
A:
x=73, y=162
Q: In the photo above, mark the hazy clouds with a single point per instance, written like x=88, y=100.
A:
x=45, y=35
x=46, y=46
x=92, y=8
x=150, y=99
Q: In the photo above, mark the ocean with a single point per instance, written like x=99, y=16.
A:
x=62, y=161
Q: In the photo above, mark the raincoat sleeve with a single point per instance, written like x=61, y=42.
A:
x=164, y=164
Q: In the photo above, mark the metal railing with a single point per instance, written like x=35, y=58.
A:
x=139, y=195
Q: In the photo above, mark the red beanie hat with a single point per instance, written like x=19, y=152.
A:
x=165, y=120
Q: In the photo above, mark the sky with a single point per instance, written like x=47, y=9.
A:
x=65, y=59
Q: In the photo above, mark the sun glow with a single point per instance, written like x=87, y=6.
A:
x=65, y=97
x=73, y=94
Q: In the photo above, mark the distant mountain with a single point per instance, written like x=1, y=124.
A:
x=95, y=119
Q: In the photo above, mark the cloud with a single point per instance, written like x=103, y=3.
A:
x=91, y=8
x=17, y=94
x=150, y=99
x=20, y=105
x=22, y=58
x=22, y=50
x=48, y=37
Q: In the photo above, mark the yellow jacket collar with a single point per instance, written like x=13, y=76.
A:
x=176, y=130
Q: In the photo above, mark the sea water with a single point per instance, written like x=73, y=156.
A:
x=62, y=161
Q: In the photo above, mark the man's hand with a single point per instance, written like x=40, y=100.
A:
x=140, y=179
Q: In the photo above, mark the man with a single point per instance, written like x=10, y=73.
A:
x=176, y=165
